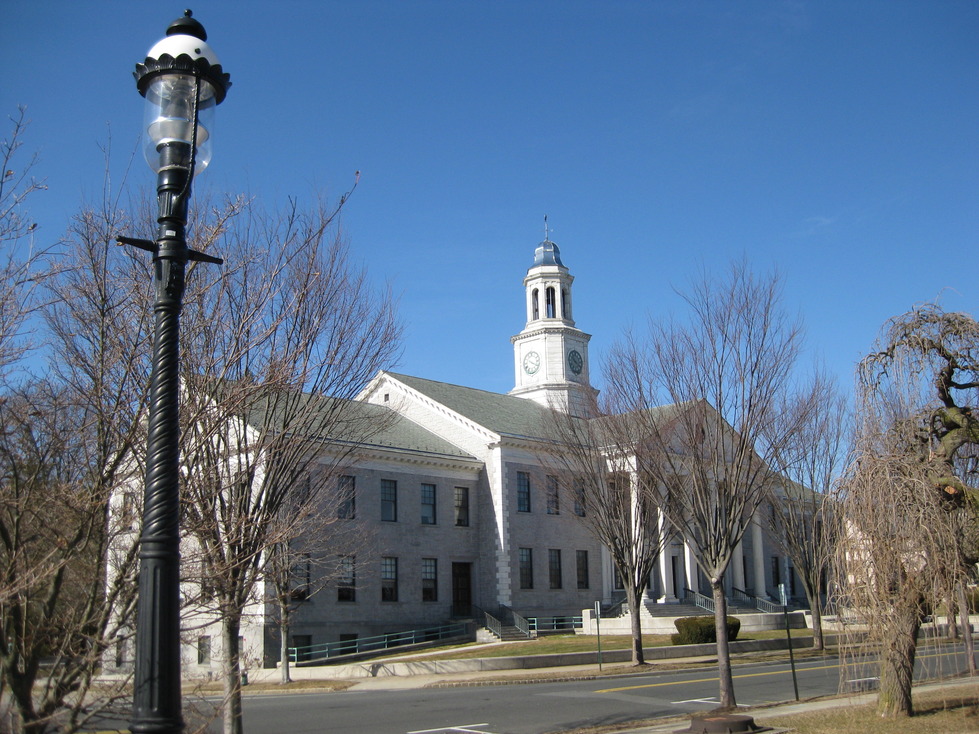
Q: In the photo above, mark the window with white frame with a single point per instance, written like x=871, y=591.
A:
x=389, y=578
x=428, y=504
x=430, y=579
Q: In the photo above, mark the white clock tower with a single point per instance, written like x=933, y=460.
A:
x=550, y=355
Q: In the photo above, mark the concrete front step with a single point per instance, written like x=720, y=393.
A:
x=512, y=634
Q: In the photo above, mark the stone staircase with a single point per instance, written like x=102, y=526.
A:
x=509, y=633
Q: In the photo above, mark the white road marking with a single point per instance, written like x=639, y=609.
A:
x=696, y=700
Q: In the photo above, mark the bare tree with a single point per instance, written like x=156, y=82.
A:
x=67, y=445
x=909, y=510
x=595, y=461
x=803, y=521
x=70, y=450
x=21, y=262
x=726, y=371
x=277, y=344
x=305, y=562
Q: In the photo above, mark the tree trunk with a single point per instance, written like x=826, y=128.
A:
x=811, y=587
x=951, y=622
x=726, y=692
x=230, y=627
x=22, y=691
x=897, y=662
x=633, y=599
x=817, y=629
x=284, y=642
x=970, y=649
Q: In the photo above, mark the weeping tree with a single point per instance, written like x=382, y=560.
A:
x=910, y=510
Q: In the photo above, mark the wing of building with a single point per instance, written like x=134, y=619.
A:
x=456, y=512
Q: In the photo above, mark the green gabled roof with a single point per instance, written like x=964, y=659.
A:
x=405, y=435
x=338, y=420
x=503, y=414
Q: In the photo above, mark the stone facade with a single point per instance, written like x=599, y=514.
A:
x=454, y=509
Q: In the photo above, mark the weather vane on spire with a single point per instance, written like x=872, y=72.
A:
x=546, y=235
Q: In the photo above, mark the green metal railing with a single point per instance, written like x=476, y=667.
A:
x=554, y=624
x=327, y=650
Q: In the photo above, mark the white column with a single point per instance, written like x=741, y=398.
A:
x=738, y=561
x=665, y=565
x=691, y=565
x=758, y=549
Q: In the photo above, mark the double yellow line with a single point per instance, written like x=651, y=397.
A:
x=743, y=675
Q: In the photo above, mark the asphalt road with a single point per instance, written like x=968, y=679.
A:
x=552, y=707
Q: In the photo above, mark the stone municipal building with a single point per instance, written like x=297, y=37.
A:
x=462, y=515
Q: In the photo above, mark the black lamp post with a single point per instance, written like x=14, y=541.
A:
x=182, y=82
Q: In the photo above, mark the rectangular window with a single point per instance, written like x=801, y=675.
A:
x=302, y=577
x=430, y=579
x=121, y=649
x=204, y=650
x=462, y=506
x=776, y=570
x=553, y=497
x=554, y=568
x=346, y=578
x=346, y=498
x=526, y=560
x=579, y=500
x=389, y=500
x=523, y=491
x=581, y=557
x=389, y=579
x=428, y=504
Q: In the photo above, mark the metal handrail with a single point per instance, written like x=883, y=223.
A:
x=491, y=623
x=704, y=602
x=766, y=606
x=757, y=602
x=742, y=596
x=518, y=621
x=614, y=610
x=327, y=650
x=554, y=624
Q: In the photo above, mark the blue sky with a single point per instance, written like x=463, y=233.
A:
x=836, y=141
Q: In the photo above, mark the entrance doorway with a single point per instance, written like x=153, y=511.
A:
x=462, y=589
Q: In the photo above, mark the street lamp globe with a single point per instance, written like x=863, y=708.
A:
x=182, y=82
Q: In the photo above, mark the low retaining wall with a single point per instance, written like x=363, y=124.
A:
x=530, y=662
x=755, y=622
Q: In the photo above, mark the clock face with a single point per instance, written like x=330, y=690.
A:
x=531, y=362
x=575, y=362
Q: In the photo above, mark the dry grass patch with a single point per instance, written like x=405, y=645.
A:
x=296, y=686
x=955, y=711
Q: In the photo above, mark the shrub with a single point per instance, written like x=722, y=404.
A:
x=701, y=630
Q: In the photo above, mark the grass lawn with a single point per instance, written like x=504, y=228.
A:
x=556, y=644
